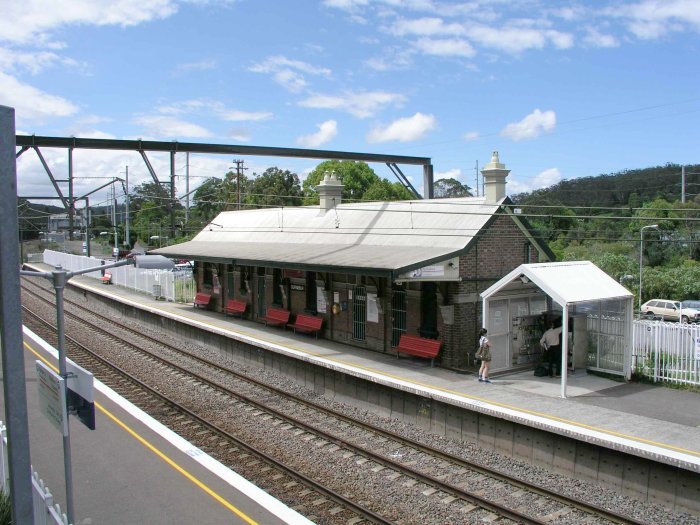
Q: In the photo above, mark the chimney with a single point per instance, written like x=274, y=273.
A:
x=330, y=191
x=494, y=174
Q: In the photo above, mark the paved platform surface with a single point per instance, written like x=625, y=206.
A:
x=650, y=421
x=131, y=469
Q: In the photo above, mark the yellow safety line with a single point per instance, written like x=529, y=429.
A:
x=477, y=398
x=160, y=454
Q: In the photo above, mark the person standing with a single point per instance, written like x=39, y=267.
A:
x=485, y=356
x=551, y=341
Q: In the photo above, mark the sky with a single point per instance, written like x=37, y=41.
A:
x=561, y=89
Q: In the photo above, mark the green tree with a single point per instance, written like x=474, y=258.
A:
x=274, y=187
x=357, y=177
x=445, y=188
x=383, y=190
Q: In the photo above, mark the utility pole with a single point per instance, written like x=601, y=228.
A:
x=127, y=241
x=187, y=189
x=477, y=177
x=239, y=172
x=683, y=184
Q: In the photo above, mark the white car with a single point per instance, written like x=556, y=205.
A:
x=670, y=311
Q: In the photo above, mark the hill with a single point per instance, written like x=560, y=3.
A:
x=629, y=188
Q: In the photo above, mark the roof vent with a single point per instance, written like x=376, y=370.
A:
x=329, y=191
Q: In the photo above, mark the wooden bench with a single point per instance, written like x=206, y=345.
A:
x=106, y=278
x=419, y=347
x=235, y=307
x=202, y=299
x=276, y=317
x=308, y=324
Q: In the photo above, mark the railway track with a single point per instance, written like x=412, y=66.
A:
x=438, y=487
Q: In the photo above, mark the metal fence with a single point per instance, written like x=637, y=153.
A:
x=666, y=351
x=45, y=511
x=176, y=286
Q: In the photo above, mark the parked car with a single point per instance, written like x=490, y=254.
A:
x=670, y=311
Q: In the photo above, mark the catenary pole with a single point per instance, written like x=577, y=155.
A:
x=13, y=384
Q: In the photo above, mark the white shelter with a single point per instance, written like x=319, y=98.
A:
x=596, y=313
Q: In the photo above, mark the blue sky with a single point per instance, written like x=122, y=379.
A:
x=562, y=89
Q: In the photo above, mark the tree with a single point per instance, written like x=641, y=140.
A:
x=446, y=188
x=275, y=187
x=383, y=190
x=356, y=177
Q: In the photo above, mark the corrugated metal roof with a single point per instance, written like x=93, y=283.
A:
x=386, y=236
x=565, y=282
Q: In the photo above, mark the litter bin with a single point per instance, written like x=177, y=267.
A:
x=157, y=292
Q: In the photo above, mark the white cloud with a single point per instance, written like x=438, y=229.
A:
x=425, y=27
x=34, y=20
x=326, y=132
x=212, y=107
x=518, y=39
x=247, y=116
x=34, y=63
x=361, y=104
x=455, y=173
x=239, y=135
x=170, y=127
x=289, y=73
x=532, y=126
x=650, y=19
x=548, y=177
x=471, y=135
x=595, y=38
x=31, y=103
x=403, y=130
x=445, y=47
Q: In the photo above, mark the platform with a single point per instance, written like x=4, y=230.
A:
x=132, y=469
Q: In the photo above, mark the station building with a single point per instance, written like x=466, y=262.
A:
x=372, y=270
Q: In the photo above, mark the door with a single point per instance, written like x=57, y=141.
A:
x=398, y=315
x=498, y=333
x=359, y=313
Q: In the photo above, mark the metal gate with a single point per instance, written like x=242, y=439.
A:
x=359, y=313
x=398, y=316
x=261, y=296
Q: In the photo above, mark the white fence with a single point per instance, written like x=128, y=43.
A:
x=667, y=351
x=45, y=511
x=177, y=286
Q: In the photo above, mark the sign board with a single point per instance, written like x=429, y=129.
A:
x=444, y=271
x=697, y=348
x=297, y=287
x=81, y=397
x=52, y=397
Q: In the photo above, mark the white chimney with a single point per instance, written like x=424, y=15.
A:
x=495, y=175
x=330, y=191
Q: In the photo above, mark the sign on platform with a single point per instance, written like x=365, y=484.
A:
x=697, y=348
x=52, y=397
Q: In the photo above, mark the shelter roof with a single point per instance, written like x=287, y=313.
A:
x=372, y=237
x=565, y=282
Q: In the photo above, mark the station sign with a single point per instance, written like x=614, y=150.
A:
x=52, y=397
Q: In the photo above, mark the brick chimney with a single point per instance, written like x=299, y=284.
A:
x=494, y=174
x=330, y=191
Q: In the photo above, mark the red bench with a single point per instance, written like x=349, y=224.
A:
x=106, y=278
x=276, y=316
x=419, y=347
x=202, y=299
x=235, y=307
x=308, y=324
